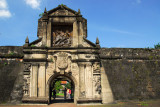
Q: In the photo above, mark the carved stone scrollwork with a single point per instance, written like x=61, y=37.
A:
x=27, y=67
x=97, y=83
x=96, y=67
x=26, y=85
x=83, y=94
x=69, y=73
x=26, y=79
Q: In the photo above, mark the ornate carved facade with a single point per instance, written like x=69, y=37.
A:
x=63, y=50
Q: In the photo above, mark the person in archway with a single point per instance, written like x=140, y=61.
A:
x=65, y=91
x=54, y=93
x=70, y=94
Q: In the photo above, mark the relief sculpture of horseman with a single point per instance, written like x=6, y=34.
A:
x=61, y=38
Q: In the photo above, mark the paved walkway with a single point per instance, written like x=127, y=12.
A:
x=43, y=105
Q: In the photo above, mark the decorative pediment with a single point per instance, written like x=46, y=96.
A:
x=62, y=10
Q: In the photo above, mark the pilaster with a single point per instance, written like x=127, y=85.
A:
x=49, y=30
x=82, y=80
x=34, y=80
x=88, y=80
x=75, y=34
x=42, y=80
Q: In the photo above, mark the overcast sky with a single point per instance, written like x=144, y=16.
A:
x=117, y=23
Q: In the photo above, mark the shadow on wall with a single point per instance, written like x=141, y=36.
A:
x=11, y=81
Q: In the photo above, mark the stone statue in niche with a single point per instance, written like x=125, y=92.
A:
x=61, y=39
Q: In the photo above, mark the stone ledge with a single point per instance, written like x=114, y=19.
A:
x=81, y=101
x=35, y=100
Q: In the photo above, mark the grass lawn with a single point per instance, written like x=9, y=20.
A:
x=132, y=103
x=60, y=94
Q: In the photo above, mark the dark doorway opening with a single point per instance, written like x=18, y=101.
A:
x=61, y=90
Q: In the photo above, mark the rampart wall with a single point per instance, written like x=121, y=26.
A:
x=11, y=74
x=133, y=73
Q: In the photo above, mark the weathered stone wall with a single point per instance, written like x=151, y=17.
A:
x=11, y=52
x=11, y=74
x=132, y=73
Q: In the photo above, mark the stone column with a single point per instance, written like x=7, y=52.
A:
x=34, y=80
x=75, y=34
x=42, y=80
x=89, y=80
x=82, y=80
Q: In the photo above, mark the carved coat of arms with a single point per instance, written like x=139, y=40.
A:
x=62, y=62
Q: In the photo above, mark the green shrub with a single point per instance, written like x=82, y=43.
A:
x=157, y=46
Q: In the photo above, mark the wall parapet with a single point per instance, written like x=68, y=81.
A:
x=11, y=52
x=130, y=53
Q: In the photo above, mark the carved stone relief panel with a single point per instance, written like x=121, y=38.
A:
x=27, y=67
x=97, y=85
x=62, y=35
x=26, y=79
x=50, y=69
x=26, y=85
x=96, y=67
x=75, y=70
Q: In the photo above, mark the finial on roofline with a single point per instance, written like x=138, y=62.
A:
x=97, y=43
x=79, y=11
x=27, y=40
x=45, y=10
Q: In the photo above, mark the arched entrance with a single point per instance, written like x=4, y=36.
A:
x=61, y=89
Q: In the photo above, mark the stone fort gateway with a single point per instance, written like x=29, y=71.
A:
x=63, y=52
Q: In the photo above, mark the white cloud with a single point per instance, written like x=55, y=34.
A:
x=33, y=3
x=3, y=4
x=4, y=11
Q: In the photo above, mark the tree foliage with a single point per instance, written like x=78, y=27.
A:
x=68, y=85
x=58, y=86
x=157, y=46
